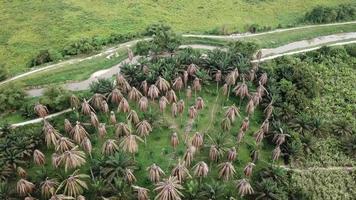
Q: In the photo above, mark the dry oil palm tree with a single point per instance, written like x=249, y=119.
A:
x=259, y=135
x=129, y=143
x=240, y=135
x=122, y=84
x=112, y=117
x=226, y=124
x=56, y=160
x=129, y=176
x=268, y=111
x=189, y=156
x=178, y=83
x=142, y=193
x=218, y=77
x=201, y=169
x=155, y=173
x=169, y=189
x=180, y=171
x=197, y=140
x=189, y=92
x=174, y=140
x=21, y=172
x=241, y=90
x=244, y=187
x=144, y=87
x=226, y=171
x=232, y=112
x=74, y=101
x=171, y=96
x=250, y=107
x=122, y=129
x=41, y=110
x=225, y=89
x=180, y=106
x=79, y=133
x=94, y=119
x=153, y=92
x=230, y=79
x=130, y=54
x=162, y=84
x=24, y=187
x=174, y=110
x=75, y=184
x=265, y=126
x=276, y=153
x=199, y=103
x=64, y=144
x=104, y=107
x=245, y=124
x=86, y=145
x=196, y=86
x=256, y=98
x=214, y=153
x=280, y=138
x=38, y=157
x=51, y=134
x=86, y=107
x=102, y=130
x=192, y=112
x=143, y=129
x=109, y=147
x=48, y=187
x=72, y=158
x=251, y=75
x=116, y=96
x=248, y=169
x=67, y=126
x=96, y=100
x=263, y=79
x=133, y=117
x=134, y=94
x=143, y=104
x=261, y=90
x=163, y=101
x=231, y=154
x=192, y=69
x=123, y=106
x=185, y=78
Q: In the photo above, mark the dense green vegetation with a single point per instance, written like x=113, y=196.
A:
x=323, y=14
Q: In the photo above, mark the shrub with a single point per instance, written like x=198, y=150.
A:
x=11, y=97
x=102, y=86
x=55, y=98
x=143, y=48
x=3, y=73
x=323, y=14
x=153, y=29
x=254, y=28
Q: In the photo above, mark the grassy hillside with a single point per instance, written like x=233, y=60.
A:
x=29, y=26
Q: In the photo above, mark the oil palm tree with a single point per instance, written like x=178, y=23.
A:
x=104, y=107
x=261, y=90
x=86, y=145
x=38, y=157
x=263, y=78
x=225, y=89
x=197, y=140
x=116, y=96
x=129, y=176
x=155, y=173
x=218, y=78
x=21, y=172
x=174, y=140
x=134, y=94
x=171, y=96
x=48, y=187
x=56, y=160
x=241, y=90
x=196, y=86
x=24, y=187
x=192, y=69
x=231, y=154
x=269, y=109
x=226, y=171
x=79, y=133
x=178, y=83
x=143, y=129
x=185, y=78
x=72, y=158
x=86, y=107
x=280, y=138
x=189, y=156
x=67, y=126
x=97, y=99
x=169, y=189
x=199, y=103
x=74, y=101
x=123, y=106
x=110, y=147
x=189, y=92
x=112, y=117
x=192, y=112
x=153, y=92
x=244, y=187
x=248, y=169
x=250, y=107
x=232, y=112
x=163, y=101
x=133, y=117
x=240, y=136
x=162, y=84
x=41, y=110
x=276, y=153
x=122, y=83
x=180, y=106
x=142, y=193
x=265, y=126
x=94, y=119
x=245, y=124
x=180, y=171
x=122, y=129
x=129, y=143
x=51, y=134
x=174, y=110
x=114, y=167
x=226, y=124
x=143, y=104
x=201, y=169
x=75, y=184
x=259, y=135
x=144, y=87
x=102, y=130
x=64, y=144
x=214, y=153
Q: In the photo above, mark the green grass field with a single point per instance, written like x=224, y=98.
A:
x=30, y=26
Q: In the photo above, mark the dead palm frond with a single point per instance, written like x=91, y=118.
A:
x=155, y=173
x=116, y=96
x=109, y=147
x=196, y=85
x=171, y=96
x=197, y=140
x=122, y=129
x=56, y=160
x=79, y=133
x=218, y=76
x=180, y=106
x=81, y=197
x=199, y=103
x=226, y=171
x=21, y=172
x=251, y=75
x=192, y=112
x=144, y=87
x=86, y=107
x=123, y=106
x=96, y=100
x=38, y=157
x=230, y=79
x=41, y=110
x=104, y=107
x=75, y=184
x=180, y=171
x=129, y=176
x=225, y=89
x=174, y=140
x=250, y=107
x=122, y=83
x=245, y=124
x=276, y=153
x=261, y=90
x=259, y=135
x=143, y=128
x=74, y=101
x=163, y=101
x=178, y=83
x=48, y=187
x=169, y=189
x=241, y=89
x=185, y=78
x=214, y=153
x=263, y=79
x=256, y=98
x=24, y=187
x=244, y=187
x=112, y=117
x=162, y=84
x=268, y=111
x=129, y=143
x=133, y=117
x=142, y=193
x=51, y=134
x=86, y=145
x=248, y=169
x=201, y=169
x=240, y=136
x=231, y=154
x=94, y=119
x=174, y=110
x=232, y=112
x=192, y=69
x=64, y=144
x=265, y=126
x=102, y=130
x=226, y=124
x=189, y=156
x=134, y=94
x=67, y=126
x=143, y=104
x=72, y=158
x=280, y=138
x=189, y=92
x=153, y=92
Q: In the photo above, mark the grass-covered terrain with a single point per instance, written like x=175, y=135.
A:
x=31, y=26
